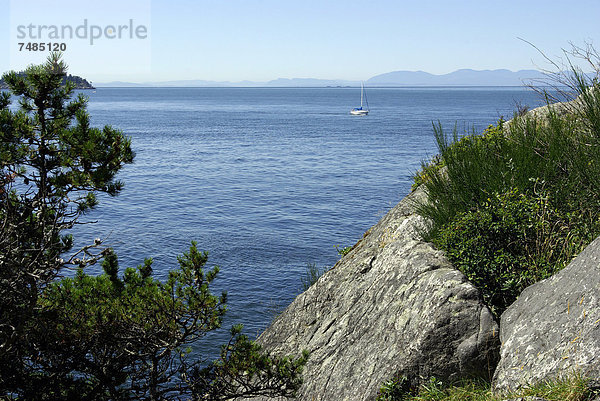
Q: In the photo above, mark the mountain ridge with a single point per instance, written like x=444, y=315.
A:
x=461, y=77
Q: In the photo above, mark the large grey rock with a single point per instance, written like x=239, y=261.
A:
x=554, y=326
x=393, y=305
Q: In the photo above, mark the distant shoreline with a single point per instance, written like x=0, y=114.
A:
x=318, y=87
x=80, y=83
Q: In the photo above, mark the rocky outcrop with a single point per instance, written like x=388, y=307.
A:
x=541, y=114
x=554, y=326
x=392, y=306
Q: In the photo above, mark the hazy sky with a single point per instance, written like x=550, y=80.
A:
x=266, y=39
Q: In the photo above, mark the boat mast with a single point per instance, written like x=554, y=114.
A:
x=361, y=94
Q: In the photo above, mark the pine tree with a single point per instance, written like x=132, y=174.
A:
x=106, y=337
x=51, y=165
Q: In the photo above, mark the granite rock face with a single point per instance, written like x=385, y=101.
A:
x=392, y=306
x=554, y=326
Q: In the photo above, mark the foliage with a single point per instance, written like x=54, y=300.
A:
x=397, y=389
x=515, y=204
x=343, y=250
x=312, y=272
x=509, y=242
x=108, y=336
x=122, y=335
x=51, y=165
x=79, y=82
x=427, y=168
x=573, y=387
x=243, y=371
x=127, y=338
x=311, y=275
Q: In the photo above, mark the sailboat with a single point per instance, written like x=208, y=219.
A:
x=359, y=111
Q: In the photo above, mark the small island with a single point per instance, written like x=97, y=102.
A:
x=80, y=83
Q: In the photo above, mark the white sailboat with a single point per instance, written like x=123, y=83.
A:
x=360, y=111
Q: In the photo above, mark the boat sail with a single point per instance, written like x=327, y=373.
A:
x=360, y=111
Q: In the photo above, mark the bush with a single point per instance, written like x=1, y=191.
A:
x=508, y=243
x=510, y=210
x=561, y=152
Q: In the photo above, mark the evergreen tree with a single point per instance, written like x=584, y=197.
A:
x=51, y=165
x=106, y=337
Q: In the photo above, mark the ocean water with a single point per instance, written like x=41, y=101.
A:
x=268, y=180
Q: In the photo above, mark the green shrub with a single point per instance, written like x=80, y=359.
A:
x=509, y=242
x=342, y=251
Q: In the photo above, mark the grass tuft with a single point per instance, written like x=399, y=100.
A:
x=311, y=275
x=573, y=387
x=515, y=204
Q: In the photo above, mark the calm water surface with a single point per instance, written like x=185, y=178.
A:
x=268, y=179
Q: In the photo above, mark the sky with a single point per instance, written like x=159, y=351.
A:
x=261, y=40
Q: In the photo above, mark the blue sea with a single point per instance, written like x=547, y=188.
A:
x=269, y=180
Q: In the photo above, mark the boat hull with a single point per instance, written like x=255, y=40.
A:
x=359, y=112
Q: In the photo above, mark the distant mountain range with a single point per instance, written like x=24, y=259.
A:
x=280, y=82
x=464, y=77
